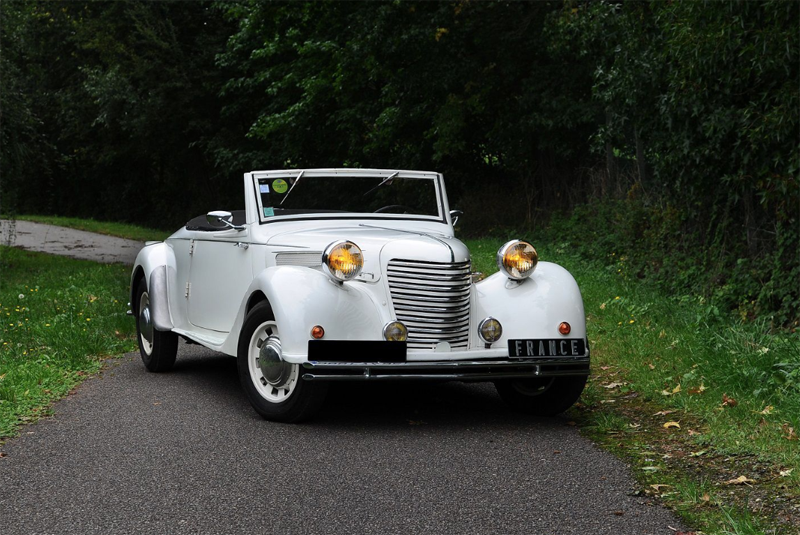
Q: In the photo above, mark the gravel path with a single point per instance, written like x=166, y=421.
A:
x=68, y=242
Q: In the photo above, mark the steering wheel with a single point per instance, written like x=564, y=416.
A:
x=394, y=206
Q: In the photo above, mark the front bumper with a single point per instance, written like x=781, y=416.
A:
x=461, y=370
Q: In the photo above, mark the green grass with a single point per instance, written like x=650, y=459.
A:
x=676, y=353
x=121, y=230
x=60, y=317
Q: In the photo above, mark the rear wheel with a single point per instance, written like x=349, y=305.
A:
x=274, y=387
x=545, y=396
x=158, y=348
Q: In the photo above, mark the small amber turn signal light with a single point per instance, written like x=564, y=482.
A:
x=564, y=328
x=317, y=332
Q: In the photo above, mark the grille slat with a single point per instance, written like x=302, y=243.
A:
x=433, y=300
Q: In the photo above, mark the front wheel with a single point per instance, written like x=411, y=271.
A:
x=274, y=387
x=545, y=396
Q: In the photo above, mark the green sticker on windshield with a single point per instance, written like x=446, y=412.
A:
x=280, y=185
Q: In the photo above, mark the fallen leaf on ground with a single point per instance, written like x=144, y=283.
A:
x=672, y=424
x=676, y=389
x=651, y=366
x=767, y=410
x=741, y=480
x=613, y=385
x=692, y=432
x=728, y=401
x=706, y=497
x=697, y=390
x=663, y=413
x=604, y=368
x=790, y=432
x=2, y=454
x=651, y=468
x=786, y=473
x=635, y=425
x=658, y=486
x=608, y=401
x=603, y=306
x=698, y=453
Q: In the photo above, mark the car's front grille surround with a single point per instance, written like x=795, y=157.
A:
x=433, y=300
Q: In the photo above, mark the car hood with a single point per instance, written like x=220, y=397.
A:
x=379, y=242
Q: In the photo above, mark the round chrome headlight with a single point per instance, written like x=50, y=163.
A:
x=517, y=259
x=395, y=332
x=490, y=330
x=342, y=260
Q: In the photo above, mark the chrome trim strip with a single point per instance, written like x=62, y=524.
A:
x=466, y=370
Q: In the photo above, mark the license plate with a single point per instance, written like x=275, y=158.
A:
x=565, y=347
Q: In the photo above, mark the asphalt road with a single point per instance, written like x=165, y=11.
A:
x=183, y=452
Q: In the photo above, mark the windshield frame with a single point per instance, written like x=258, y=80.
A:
x=310, y=174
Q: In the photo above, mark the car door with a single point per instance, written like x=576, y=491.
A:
x=221, y=271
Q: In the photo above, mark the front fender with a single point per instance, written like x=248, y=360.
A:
x=534, y=308
x=302, y=298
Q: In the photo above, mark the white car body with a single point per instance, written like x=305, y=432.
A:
x=202, y=285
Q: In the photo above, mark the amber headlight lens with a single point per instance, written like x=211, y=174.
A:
x=395, y=332
x=342, y=260
x=490, y=330
x=517, y=259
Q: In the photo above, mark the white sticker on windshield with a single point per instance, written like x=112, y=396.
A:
x=264, y=188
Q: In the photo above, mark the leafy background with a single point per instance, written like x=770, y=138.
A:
x=665, y=133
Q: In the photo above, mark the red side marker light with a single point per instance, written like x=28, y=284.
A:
x=564, y=328
x=317, y=332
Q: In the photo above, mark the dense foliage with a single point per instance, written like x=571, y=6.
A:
x=673, y=126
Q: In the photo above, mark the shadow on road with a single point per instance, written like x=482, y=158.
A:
x=384, y=405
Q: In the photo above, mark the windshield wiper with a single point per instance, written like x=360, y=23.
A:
x=296, y=180
x=384, y=181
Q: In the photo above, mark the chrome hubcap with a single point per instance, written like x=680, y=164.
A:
x=276, y=371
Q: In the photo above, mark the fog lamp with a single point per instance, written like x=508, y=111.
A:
x=342, y=260
x=517, y=259
x=490, y=330
x=395, y=332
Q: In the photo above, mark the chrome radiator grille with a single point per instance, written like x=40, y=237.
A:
x=432, y=300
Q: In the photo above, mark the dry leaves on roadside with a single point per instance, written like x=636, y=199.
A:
x=786, y=473
x=728, y=401
x=663, y=413
x=613, y=385
x=674, y=391
x=672, y=424
x=741, y=480
x=791, y=434
x=697, y=390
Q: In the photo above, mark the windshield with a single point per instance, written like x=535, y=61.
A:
x=389, y=195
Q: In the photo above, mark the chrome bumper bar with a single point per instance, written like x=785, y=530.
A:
x=460, y=370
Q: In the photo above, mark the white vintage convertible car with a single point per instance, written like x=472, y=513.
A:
x=355, y=275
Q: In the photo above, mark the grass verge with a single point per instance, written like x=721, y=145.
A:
x=60, y=317
x=704, y=407
x=120, y=230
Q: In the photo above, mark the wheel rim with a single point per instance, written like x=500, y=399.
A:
x=533, y=387
x=145, y=324
x=273, y=378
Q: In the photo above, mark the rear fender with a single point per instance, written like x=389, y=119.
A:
x=154, y=262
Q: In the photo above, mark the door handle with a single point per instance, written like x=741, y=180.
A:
x=242, y=245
